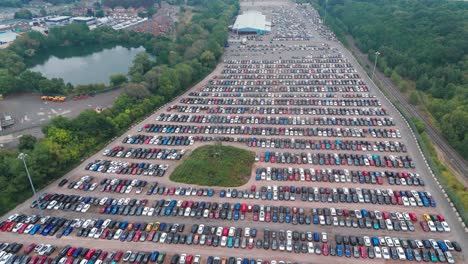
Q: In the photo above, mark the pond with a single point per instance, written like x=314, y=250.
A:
x=85, y=65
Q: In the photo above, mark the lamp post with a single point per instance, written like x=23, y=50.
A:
x=375, y=63
x=22, y=157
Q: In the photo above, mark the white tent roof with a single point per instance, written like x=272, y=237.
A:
x=252, y=20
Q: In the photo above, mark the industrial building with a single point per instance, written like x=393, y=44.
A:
x=251, y=22
x=84, y=20
x=57, y=21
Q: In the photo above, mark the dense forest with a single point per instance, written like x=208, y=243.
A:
x=179, y=64
x=423, y=43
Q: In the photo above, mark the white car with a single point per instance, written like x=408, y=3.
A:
x=310, y=247
x=401, y=253
x=117, y=234
x=223, y=241
x=385, y=253
x=200, y=229
x=378, y=252
x=445, y=226
x=247, y=232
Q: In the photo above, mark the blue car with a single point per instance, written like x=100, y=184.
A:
x=347, y=251
x=68, y=231
x=35, y=229
x=210, y=192
x=236, y=215
x=46, y=230
x=154, y=256
x=339, y=250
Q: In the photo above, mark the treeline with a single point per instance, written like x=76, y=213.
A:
x=152, y=83
x=423, y=47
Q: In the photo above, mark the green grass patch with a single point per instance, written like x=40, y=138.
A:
x=215, y=165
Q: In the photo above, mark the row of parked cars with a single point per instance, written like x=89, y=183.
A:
x=270, y=120
x=144, y=153
x=335, y=195
x=283, y=102
x=134, y=168
x=337, y=175
x=296, y=112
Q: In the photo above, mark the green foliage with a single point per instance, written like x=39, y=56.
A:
x=23, y=14
x=414, y=98
x=117, y=79
x=27, y=142
x=419, y=124
x=136, y=90
x=421, y=41
x=215, y=165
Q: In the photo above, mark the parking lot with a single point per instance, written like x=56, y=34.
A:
x=337, y=175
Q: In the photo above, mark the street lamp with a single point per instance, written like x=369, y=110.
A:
x=22, y=157
x=375, y=63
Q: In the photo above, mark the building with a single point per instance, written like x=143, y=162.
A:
x=84, y=20
x=252, y=22
x=57, y=21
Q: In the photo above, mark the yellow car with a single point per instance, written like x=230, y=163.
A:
x=149, y=226
x=427, y=217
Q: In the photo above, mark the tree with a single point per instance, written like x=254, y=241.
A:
x=27, y=142
x=117, y=79
x=23, y=14
x=414, y=98
x=52, y=86
x=7, y=82
x=208, y=58
x=419, y=124
x=136, y=90
x=43, y=12
x=141, y=64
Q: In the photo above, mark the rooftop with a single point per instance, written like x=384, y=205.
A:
x=252, y=20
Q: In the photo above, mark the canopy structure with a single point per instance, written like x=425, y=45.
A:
x=251, y=22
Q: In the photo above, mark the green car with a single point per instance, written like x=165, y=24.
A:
x=161, y=257
x=230, y=242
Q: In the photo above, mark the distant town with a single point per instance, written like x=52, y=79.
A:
x=41, y=16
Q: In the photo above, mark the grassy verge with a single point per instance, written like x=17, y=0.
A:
x=215, y=165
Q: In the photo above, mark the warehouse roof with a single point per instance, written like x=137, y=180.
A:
x=252, y=20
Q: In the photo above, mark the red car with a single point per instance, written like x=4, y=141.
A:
x=71, y=251
x=325, y=249
x=413, y=217
x=137, y=236
x=89, y=255
x=29, y=249
x=363, y=251
x=118, y=256
x=440, y=218
x=424, y=226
